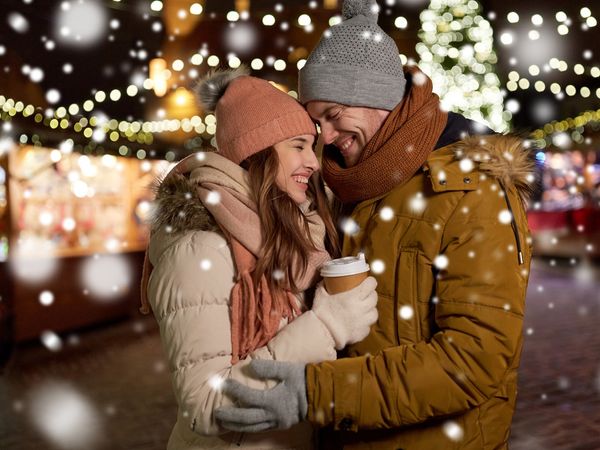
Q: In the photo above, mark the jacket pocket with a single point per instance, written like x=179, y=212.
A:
x=406, y=308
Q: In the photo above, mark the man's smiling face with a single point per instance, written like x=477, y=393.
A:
x=349, y=128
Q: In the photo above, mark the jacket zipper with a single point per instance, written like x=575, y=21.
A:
x=239, y=440
x=513, y=224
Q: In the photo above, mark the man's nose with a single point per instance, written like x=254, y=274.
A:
x=328, y=133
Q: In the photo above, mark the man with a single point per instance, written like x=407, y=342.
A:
x=441, y=219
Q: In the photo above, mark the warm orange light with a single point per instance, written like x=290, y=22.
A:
x=159, y=76
x=242, y=5
x=330, y=4
x=183, y=97
x=281, y=87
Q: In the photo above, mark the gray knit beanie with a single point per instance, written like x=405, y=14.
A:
x=355, y=63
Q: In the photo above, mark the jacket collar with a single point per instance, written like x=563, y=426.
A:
x=460, y=166
x=459, y=127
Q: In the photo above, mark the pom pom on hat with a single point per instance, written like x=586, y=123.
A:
x=211, y=88
x=367, y=8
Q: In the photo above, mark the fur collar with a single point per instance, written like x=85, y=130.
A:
x=503, y=157
x=178, y=207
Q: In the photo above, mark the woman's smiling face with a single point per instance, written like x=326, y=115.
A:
x=297, y=162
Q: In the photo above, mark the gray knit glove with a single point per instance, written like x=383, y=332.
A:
x=348, y=315
x=280, y=407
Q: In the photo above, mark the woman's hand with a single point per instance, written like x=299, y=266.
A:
x=348, y=315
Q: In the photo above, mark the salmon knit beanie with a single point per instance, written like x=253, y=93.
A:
x=251, y=113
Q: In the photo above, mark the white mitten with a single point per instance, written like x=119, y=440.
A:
x=348, y=315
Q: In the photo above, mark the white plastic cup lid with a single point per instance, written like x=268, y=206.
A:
x=341, y=267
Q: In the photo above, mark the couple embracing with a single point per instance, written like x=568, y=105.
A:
x=423, y=354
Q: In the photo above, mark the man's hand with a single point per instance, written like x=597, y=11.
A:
x=281, y=407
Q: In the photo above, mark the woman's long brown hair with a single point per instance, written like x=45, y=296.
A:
x=287, y=241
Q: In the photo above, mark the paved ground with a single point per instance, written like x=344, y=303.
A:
x=113, y=389
x=559, y=385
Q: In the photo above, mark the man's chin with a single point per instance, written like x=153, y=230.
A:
x=350, y=163
x=351, y=160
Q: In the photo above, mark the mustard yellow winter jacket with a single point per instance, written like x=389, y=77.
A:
x=451, y=252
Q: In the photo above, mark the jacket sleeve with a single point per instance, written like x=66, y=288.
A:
x=191, y=305
x=479, y=318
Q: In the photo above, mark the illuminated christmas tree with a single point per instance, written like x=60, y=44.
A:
x=456, y=51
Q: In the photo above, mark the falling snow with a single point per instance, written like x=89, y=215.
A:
x=349, y=226
x=386, y=213
x=46, y=298
x=106, y=276
x=441, y=262
x=80, y=23
x=453, y=431
x=65, y=416
x=213, y=198
x=417, y=203
x=406, y=312
x=377, y=266
x=18, y=22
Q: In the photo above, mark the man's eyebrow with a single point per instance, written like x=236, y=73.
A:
x=328, y=109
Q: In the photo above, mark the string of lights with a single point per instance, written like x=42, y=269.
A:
x=463, y=75
x=546, y=135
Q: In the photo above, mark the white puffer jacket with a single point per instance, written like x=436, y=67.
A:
x=189, y=292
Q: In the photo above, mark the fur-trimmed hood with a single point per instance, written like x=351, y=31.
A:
x=177, y=207
x=503, y=157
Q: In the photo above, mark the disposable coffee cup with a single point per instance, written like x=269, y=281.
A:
x=343, y=274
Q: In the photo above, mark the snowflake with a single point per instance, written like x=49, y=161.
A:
x=419, y=79
x=563, y=383
x=51, y=341
x=216, y=382
x=453, y=431
x=18, y=22
x=36, y=74
x=213, y=198
x=417, y=203
x=386, y=213
x=406, y=312
x=106, y=275
x=80, y=24
x=466, y=165
x=441, y=262
x=350, y=227
x=46, y=298
x=377, y=266
x=505, y=217
x=205, y=264
x=64, y=416
x=53, y=96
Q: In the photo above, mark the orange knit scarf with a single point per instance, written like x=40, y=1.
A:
x=396, y=151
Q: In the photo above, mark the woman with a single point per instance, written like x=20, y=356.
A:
x=237, y=237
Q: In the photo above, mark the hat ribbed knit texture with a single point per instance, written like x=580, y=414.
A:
x=253, y=115
x=355, y=63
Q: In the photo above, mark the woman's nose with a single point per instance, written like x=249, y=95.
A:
x=310, y=160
